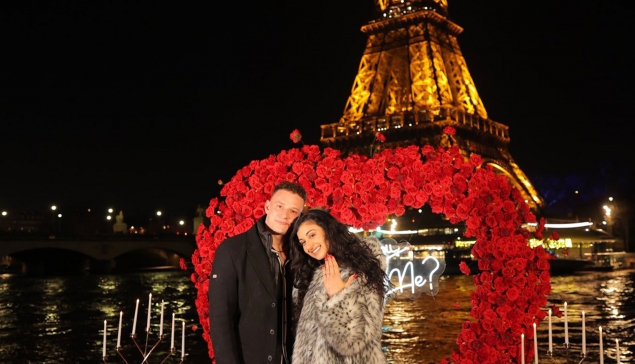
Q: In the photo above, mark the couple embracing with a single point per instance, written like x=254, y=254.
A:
x=297, y=289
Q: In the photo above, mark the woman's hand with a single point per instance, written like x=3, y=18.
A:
x=333, y=282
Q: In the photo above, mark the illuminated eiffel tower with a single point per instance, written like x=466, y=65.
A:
x=412, y=82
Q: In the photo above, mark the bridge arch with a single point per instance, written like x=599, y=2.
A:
x=100, y=255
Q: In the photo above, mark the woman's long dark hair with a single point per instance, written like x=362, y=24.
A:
x=347, y=248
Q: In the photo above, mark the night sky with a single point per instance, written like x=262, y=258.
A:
x=145, y=107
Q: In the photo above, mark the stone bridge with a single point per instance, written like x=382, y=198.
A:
x=104, y=252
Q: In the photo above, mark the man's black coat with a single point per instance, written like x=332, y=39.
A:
x=244, y=305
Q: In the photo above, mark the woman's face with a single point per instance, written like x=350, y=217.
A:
x=313, y=240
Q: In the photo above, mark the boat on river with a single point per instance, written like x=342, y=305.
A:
x=610, y=261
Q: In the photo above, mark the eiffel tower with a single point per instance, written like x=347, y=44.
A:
x=412, y=82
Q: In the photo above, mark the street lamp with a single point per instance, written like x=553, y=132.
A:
x=4, y=213
x=158, y=213
x=53, y=207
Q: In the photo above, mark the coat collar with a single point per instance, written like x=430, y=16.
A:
x=260, y=260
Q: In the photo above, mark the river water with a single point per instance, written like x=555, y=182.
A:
x=60, y=319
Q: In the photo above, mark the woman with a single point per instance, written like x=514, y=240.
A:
x=339, y=288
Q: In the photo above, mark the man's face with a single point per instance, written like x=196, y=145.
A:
x=282, y=210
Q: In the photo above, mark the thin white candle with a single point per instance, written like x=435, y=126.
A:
x=535, y=345
x=104, y=350
x=601, y=348
x=183, y=341
x=134, y=322
x=149, y=311
x=617, y=351
x=172, y=337
x=566, y=326
x=119, y=330
x=550, y=335
x=161, y=322
x=522, y=348
x=583, y=335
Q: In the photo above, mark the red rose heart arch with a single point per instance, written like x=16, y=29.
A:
x=361, y=191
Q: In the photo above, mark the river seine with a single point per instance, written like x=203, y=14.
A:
x=60, y=319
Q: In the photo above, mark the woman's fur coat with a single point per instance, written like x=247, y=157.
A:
x=345, y=328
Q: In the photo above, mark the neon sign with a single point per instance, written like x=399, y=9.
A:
x=410, y=277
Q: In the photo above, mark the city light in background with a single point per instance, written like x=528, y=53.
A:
x=81, y=221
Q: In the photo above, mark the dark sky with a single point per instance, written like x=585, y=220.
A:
x=146, y=107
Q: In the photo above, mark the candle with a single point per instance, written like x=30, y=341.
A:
x=583, y=336
x=522, y=348
x=149, y=311
x=601, y=348
x=550, y=335
x=535, y=345
x=134, y=322
x=161, y=322
x=183, y=341
x=104, y=351
x=617, y=351
x=566, y=326
x=172, y=337
x=119, y=331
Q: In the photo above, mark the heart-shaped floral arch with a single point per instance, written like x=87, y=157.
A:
x=362, y=191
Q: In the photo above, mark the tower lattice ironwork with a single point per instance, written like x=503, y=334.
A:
x=412, y=82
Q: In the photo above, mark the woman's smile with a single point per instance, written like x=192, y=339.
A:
x=313, y=240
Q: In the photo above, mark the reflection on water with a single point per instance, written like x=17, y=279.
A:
x=60, y=319
x=425, y=330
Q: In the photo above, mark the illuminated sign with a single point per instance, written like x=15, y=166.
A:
x=409, y=275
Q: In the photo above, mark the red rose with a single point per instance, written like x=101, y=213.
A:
x=512, y=293
x=295, y=136
x=449, y=130
x=464, y=268
x=379, y=136
x=508, y=272
x=476, y=160
x=543, y=264
x=540, y=228
x=496, y=265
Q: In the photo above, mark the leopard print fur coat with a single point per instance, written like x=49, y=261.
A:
x=343, y=329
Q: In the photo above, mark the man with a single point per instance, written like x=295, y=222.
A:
x=250, y=286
